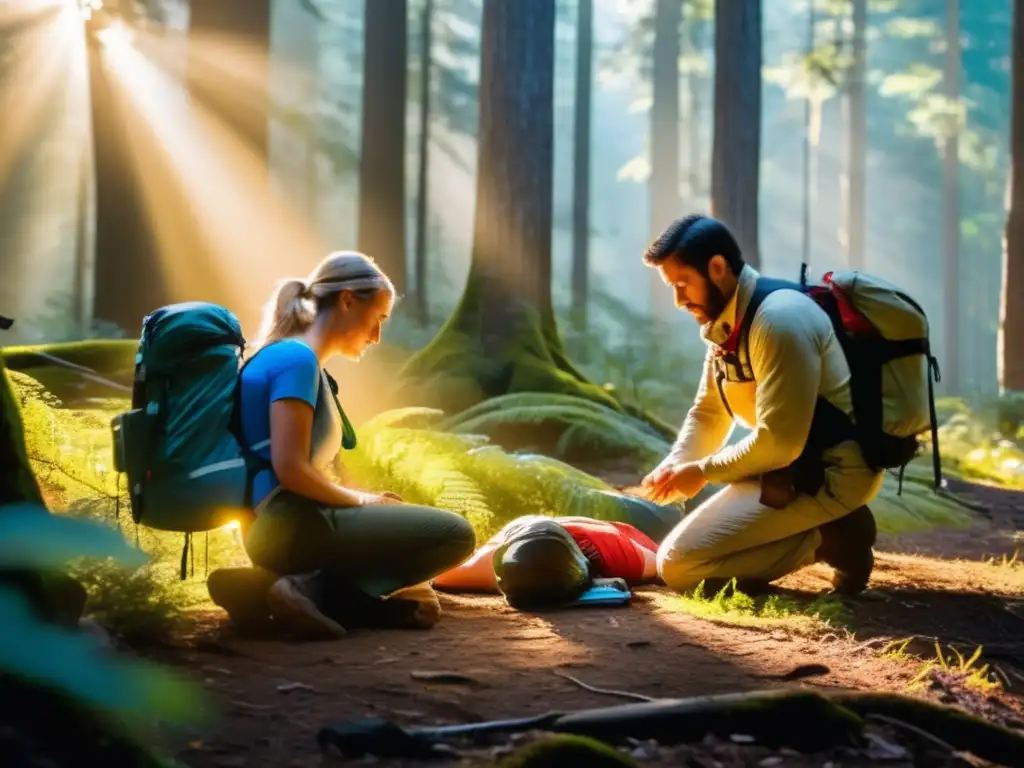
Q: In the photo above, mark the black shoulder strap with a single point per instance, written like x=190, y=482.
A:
x=764, y=287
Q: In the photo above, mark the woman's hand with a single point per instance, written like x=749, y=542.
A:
x=369, y=499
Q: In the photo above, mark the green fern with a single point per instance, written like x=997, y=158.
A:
x=482, y=482
x=403, y=417
x=520, y=400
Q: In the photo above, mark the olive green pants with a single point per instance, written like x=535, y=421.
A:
x=376, y=549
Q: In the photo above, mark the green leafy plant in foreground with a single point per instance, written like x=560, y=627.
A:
x=65, y=679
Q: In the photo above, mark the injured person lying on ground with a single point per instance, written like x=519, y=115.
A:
x=543, y=563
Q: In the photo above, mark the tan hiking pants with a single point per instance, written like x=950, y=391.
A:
x=733, y=535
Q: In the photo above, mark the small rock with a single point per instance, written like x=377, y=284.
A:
x=741, y=738
x=648, y=750
x=770, y=762
x=881, y=749
x=638, y=643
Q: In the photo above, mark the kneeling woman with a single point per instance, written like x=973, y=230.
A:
x=338, y=552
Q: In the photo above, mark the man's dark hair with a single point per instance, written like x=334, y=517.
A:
x=695, y=240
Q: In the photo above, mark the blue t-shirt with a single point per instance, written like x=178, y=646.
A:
x=282, y=370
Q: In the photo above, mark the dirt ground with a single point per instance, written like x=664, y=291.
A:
x=274, y=697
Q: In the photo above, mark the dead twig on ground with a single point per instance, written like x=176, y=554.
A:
x=606, y=691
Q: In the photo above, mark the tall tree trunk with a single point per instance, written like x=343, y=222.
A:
x=951, y=208
x=381, y=230
x=1011, y=311
x=581, y=164
x=853, y=183
x=512, y=227
x=128, y=280
x=240, y=98
x=736, y=156
x=422, y=177
x=664, y=180
x=502, y=336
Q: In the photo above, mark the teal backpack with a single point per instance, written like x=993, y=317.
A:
x=180, y=446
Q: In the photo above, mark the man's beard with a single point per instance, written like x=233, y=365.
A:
x=716, y=302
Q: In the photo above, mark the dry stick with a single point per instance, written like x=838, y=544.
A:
x=606, y=691
x=913, y=729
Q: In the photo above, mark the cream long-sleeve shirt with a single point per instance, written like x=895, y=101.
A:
x=794, y=358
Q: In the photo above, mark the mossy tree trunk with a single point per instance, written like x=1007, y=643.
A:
x=736, y=155
x=381, y=232
x=502, y=336
x=1011, y=314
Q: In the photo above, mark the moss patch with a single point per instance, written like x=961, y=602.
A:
x=563, y=750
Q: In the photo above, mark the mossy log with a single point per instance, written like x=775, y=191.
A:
x=802, y=720
x=107, y=357
x=88, y=367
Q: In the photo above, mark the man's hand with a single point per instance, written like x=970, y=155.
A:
x=674, y=482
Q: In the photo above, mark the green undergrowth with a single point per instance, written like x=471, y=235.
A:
x=428, y=456
x=70, y=453
x=984, y=443
x=970, y=671
x=733, y=607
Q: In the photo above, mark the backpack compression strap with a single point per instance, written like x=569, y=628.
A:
x=829, y=424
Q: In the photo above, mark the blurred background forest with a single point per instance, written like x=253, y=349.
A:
x=884, y=146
